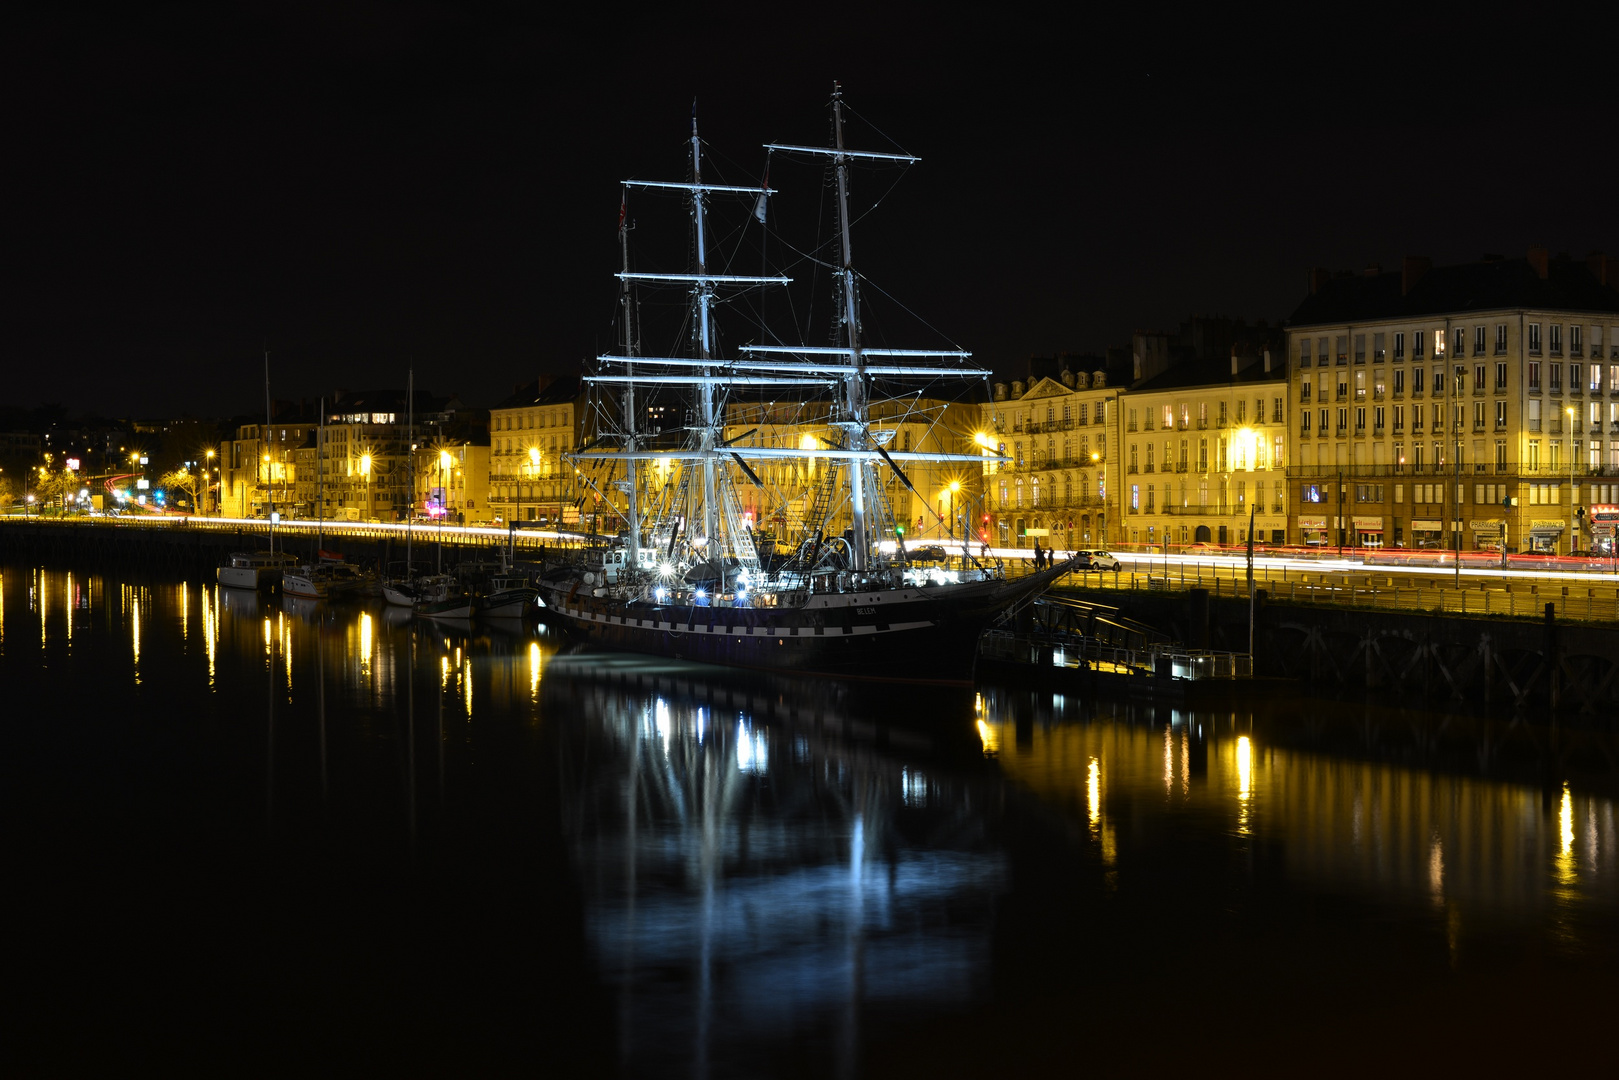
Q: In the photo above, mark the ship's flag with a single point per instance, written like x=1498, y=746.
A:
x=764, y=194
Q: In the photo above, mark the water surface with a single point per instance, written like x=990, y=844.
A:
x=258, y=835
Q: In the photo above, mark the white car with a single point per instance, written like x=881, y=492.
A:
x=1099, y=560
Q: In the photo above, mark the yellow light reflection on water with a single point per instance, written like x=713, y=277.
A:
x=185, y=607
x=1245, y=781
x=1093, y=792
x=443, y=673
x=285, y=635
x=365, y=644
x=70, y=605
x=135, y=633
x=466, y=686
x=988, y=736
x=269, y=642
x=1565, y=836
x=2, y=609
x=1169, y=759
x=210, y=629
x=534, y=670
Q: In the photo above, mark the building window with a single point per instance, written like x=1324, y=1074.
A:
x=1555, y=375
x=1576, y=345
x=1500, y=338
x=1500, y=415
x=1596, y=376
x=1501, y=375
x=1360, y=348
x=1378, y=352
x=1343, y=349
x=1478, y=341
x=1534, y=338
x=1399, y=381
x=1276, y=411
x=1399, y=346
x=1478, y=378
x=1304, y=352
x=1459, y=343
x=1416, y=345
x=1534, y=374
x=1438, y=344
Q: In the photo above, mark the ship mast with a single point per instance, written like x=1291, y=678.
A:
x=854, y=381
x=632, y=466
x=703, y=296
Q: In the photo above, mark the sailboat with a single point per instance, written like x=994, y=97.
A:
x=260, y=569
x=328, y=575
x=690, y=582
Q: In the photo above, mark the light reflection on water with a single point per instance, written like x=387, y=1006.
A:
x=764, y=864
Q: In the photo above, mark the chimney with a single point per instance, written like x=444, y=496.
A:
x=1233, y=361
x=1412, y=267
x=1267, y=360
x=1319, y=276
x=1604, y=268
x=1537, y=261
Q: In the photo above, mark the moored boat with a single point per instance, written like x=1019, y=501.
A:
x=255, y=569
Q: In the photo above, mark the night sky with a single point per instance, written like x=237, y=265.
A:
x=367, y=186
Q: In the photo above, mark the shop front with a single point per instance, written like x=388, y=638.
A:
x=1604, y=519
x=1368, y=531
x=1427, y=533
x=1546, y=536
x=1313, y=530
x=1489, y=534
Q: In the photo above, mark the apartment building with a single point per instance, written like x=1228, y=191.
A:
x=530, y=432
x=1205, y=452
x=1473, y=405
x=1055, y=429
x=256, y=468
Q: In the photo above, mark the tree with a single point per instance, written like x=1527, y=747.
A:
x=190, y=481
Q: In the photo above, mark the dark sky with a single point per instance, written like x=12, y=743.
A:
x=367, y=186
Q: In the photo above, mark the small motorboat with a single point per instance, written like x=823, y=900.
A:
x=255, y=569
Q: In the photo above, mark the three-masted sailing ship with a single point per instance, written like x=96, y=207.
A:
x=687, y=578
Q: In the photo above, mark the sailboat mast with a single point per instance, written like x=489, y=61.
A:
x=320, y=482
x=854, y=383
x=705, y=300
x=269, y=471
x=630, y=427
x=410, y=517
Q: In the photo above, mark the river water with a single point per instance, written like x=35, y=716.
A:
x=250, y=835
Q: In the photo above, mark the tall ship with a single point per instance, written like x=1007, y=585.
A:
x=692, y=575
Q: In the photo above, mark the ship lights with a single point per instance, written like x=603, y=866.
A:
x=660, y=594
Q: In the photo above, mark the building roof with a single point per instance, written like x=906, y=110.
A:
x=1489, y=285
x=1213, y=373
x=560, y=390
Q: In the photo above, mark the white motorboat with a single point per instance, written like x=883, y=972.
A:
x=255, y=569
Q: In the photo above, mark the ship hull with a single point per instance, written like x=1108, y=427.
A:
x=927, y=634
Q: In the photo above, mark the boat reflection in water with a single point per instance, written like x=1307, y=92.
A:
x=758, y=871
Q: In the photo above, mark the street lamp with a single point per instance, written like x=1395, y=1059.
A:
x=365, y=471
x=1573, y=537
x=444, y=463
x=208, y=477
x=955, y=486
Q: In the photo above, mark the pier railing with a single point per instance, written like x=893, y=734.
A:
x=1157, y=659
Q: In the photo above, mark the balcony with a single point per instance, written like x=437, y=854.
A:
x=1131, y=471
x=1377, y=431
x=1131, y=426
x=1321, y=433
x=1399, y=430
x=1377, y=395
x=1478, y=427
x=1180, y=466
x=1219, y=421
x=1360, y=431
x=1148, y=469
x=1202, y=423
x=1305, y=431
x=1276, y=508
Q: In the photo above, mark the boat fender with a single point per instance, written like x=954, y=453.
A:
x=590, y=578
